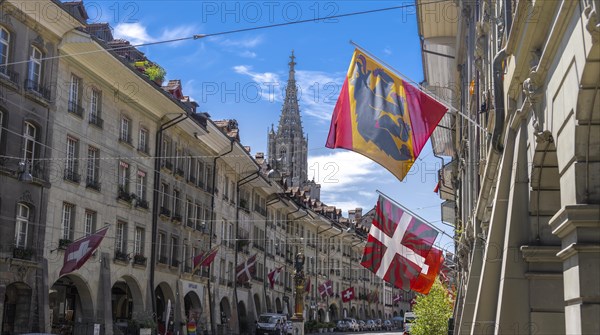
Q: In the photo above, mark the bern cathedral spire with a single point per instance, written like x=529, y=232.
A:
x=287, y=146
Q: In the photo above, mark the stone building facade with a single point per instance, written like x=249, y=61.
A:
x=105, y=146
x=524, y=76
x=27, y=108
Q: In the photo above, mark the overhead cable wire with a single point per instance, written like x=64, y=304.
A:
x=234, y=31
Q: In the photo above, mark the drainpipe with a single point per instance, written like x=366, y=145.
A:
x=287, y=219
x=317, y=259
x=272, y=202
x=210, y=237
x=241, y=182
x=155, y=208
x=498, y=100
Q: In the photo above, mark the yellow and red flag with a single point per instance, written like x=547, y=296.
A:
x=382, y=117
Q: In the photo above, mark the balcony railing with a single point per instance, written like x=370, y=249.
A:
x=22, y=253
x=163, y=260
x=72, y=175
x=92, y=183
x=125, y=139
x=96, y=120
x=121, y=256
x=165, y=212
x=12, y=75
x=75, y=108
x=175, y=262
x=122, y=194
x=139, y=259
x=179, y=172
x=141, y=203
x=176, y=218
x=167, y=164
x=37, y=88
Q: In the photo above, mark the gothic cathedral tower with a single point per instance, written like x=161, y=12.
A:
x=287, y=147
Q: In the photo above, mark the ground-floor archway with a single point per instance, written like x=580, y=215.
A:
x=361, y=313
x=164, y=309
x=380, y=314
x=278, y=306
x=334, y=313
x=257, y=306
x=269, y=305
x=353, y=312
x=243, y=322
x=321, y=315
x=225, y=311
x=17, y=305
x=192, y=306
x=372, y=315
x=71, y=305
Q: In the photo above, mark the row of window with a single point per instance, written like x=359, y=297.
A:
x=34, y=64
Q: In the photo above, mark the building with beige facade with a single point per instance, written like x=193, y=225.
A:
x=107, y=146
x=523, y=143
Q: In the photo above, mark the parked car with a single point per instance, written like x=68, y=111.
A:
x=267, y=323
x=398, y=322
x=362, y=325
x=379, y=324
x=370, y=324
x=409, y=318
x=352, y=324
x=388, y=325
x=289, y=327
x=341, y=326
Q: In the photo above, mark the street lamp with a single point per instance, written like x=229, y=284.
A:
x=24, y=173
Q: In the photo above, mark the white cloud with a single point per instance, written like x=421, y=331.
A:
x=240, y=46
x=387, y=51
x=269, y=82
x=137, y=33
x=347, y=179
x=317, y=90
x=248, y=54
x=133, y=32
x=249, y=43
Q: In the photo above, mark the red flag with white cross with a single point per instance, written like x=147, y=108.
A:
x=397, y=245
x=80, y=251
x=348, y=294
x=246, y=270
x=326, y=289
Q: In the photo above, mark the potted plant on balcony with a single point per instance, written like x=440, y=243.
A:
x=156, y=74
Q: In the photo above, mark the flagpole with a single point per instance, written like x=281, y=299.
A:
x=420, y=87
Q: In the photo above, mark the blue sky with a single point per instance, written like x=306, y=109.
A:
x=242, y=76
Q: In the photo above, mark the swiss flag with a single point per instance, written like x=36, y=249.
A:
x=397, y=245
x=348, y=294
x=78, y=252
x=273, y=276
x=424, y=281
x=397, y=298
x=326, y=289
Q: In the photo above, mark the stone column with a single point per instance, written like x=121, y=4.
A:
x=578, y=226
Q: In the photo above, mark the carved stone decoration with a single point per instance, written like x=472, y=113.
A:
x=593, y=24
x=21, y=273
x=533, y=91
x=26, y=198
